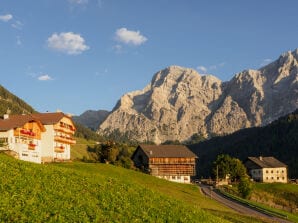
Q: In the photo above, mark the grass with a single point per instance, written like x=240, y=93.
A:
x=92, y=192
x=285, y=195
x=79, y=151
x=265, y=208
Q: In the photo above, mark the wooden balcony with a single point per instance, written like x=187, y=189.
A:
x=65, y=139
x=59, y=149
x=64, y=129
x=25, y=133
x=31, y=146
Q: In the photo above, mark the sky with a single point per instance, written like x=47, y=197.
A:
x=78, y=55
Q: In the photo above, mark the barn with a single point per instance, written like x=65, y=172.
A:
x=171, y=162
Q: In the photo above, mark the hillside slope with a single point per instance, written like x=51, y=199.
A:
x=91, y=119
x=179, y=102
x=81, y=192
x=278, y=139
x=13, y=103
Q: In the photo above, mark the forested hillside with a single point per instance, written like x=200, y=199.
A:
x=13, y=103
x=278, y=139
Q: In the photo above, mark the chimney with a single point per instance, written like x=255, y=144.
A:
x=150, y=152
x=261, y=158
x=6, y=116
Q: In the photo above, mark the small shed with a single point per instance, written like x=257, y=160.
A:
x=172, y=162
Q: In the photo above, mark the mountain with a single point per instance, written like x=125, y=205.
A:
x=9, y=101
x=278, y=139
x=91, y=119
x=179, y=102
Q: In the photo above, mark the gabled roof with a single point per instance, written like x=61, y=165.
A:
x=16, y=121
x=267, y=162
x=167, y=151
x=49, y=118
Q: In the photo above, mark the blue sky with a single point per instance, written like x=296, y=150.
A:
x=76, y=55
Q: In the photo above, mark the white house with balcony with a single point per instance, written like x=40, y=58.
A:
x=41, y=137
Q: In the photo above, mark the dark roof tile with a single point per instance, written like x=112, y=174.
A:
x=267, y=162
x=164, y=151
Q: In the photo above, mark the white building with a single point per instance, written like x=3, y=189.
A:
x=266, y=169
x=39, y=138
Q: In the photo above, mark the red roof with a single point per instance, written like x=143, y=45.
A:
x=49, y=118
x=16, y=121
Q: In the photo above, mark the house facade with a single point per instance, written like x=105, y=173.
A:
x=171, y=162
x=266, y=169
x=39, y=138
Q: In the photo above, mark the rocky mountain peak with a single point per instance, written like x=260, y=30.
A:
x=179, y=102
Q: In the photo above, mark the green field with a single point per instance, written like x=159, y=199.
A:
x=92, y=192
x=282, y=196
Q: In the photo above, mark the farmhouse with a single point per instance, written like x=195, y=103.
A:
x=172, y=162
x=39, y=138
x=266, y=169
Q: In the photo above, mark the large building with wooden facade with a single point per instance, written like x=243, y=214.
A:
x=172, y=162
x=39, y=138
x=266, y=169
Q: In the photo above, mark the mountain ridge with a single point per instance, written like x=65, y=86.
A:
x=12, y=103
x=179, y=102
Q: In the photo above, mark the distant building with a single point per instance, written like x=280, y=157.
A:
x=266, y=169
x=39, y=138
x=172, y=162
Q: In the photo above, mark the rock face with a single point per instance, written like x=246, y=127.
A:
x=179, y=103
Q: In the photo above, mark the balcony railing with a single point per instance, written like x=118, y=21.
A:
x=59, y=149
x=65, y=139
x=62, y=128
x=31, y=146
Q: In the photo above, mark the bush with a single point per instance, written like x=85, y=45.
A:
x=245, y=187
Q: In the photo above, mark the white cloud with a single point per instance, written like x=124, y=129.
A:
x=202, y=69
x=69, y=43
x=79, y=2
x=117, y=48
x=17, y=25
x=6, y=18
x=44, y=77
x=126, y=36
x=266, y=61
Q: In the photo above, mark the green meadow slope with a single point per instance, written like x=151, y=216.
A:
x=89, y=192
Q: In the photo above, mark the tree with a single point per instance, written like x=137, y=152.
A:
x=225, y=165
x=245, y=187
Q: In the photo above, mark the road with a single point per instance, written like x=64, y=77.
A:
x=238, y=206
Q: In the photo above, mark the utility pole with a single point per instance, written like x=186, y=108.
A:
x=216, y=174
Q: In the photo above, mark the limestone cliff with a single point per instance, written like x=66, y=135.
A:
x=179, y=102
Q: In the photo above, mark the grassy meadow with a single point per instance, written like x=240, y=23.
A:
x=92, y=192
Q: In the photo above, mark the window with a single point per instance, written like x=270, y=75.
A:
x=266, y=178
x=277, y=171
x=277, y=178
x=282, y=171
x=271, y=171
x=259, y=171
x=283, y=178
x=272, y=178
x=173, y=177
x=266, y=171
x=178, y=177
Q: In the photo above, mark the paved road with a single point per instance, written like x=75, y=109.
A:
x=237, y=206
